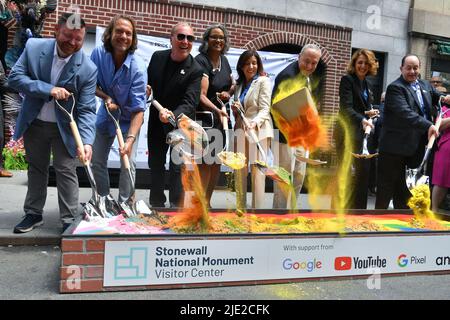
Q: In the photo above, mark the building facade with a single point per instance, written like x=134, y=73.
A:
x=248, y=29
x=429, y=29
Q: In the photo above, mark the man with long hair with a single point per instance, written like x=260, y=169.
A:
x=121, y=84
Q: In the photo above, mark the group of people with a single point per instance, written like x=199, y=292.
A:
x=53, y=72
x=408, y=115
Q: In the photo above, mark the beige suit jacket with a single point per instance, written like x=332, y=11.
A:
x=257, y=106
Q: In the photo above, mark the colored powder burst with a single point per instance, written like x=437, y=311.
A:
x=420, y=202
x=340, y=186
x=285, y=292
x=233, y=160
x=344, y=173
x=196, y=212
x=236, y=161
x=193, y=133
x=306, y=129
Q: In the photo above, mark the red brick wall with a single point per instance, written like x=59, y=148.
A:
x=247, y=30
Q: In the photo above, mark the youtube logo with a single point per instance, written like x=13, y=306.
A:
x=343, y=263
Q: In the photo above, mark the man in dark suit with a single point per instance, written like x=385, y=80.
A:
x=175, y=78
x=303, y=70
x=406, y=129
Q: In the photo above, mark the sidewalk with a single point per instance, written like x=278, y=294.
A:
x=13, y=191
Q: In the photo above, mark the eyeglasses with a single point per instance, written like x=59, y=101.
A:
x=436, y=81
x=181, y=37
x=217, y=38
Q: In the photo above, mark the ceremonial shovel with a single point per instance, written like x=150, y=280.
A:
x=129, y=206
x=365, y=152
x=274, y=173
x=293, y=107
x=415, y=177
x=190, y=138
x=93, y=208
x=225, y=125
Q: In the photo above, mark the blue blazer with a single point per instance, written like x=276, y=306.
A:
x=31, y=76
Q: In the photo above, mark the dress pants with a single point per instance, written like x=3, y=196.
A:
x=258, y=179
x=101, y=148
x=360, y=184
x=285, y=157
x=40, y=140
x=157, y=151
x=391, y=182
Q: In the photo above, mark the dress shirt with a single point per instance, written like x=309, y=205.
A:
x=126, y=86
x=47, y=112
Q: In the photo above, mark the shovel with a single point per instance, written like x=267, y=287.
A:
x=275, y=173
x=415, y=177
x=129, y=205
x=194, y=136
x=93, y=208
x=225, y=125
x=365, y=152
x=308, y=160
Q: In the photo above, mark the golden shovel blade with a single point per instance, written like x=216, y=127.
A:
x=364, y=156
x=314, y=162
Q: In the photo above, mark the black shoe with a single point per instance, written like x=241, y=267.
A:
x=29, y=223
x=65, y=227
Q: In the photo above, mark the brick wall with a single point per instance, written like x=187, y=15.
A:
x=247, y=30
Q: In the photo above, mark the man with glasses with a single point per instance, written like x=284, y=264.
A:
x=436, y=81
x=50, y=70
x=175, y=78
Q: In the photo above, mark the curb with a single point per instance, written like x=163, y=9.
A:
x=27, y=241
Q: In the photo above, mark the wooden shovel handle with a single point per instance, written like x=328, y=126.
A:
x=224, y=120
x=126, y=160
x=368, y=128
x=157, y=105
x=79, y=143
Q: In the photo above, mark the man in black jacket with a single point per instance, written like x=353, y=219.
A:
x=406, y=129
x=303, y=70
x=175, y=78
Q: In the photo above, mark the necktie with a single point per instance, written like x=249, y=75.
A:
x=308, y=84
x=418, y=91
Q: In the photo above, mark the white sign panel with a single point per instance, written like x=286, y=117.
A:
x=131, y=263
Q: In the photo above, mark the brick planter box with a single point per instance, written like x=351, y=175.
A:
x=96, y=263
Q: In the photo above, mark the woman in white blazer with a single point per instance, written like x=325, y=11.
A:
x=253, y=93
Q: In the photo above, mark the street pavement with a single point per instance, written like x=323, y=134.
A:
x=32, y=272
x=30, y=263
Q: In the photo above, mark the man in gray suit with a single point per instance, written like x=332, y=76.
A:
x=49, y=70
x=406, y=129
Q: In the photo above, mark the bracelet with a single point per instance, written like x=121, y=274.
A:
x=131, y=136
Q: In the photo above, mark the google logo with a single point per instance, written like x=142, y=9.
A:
x=309, y=266
x=402, y=260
